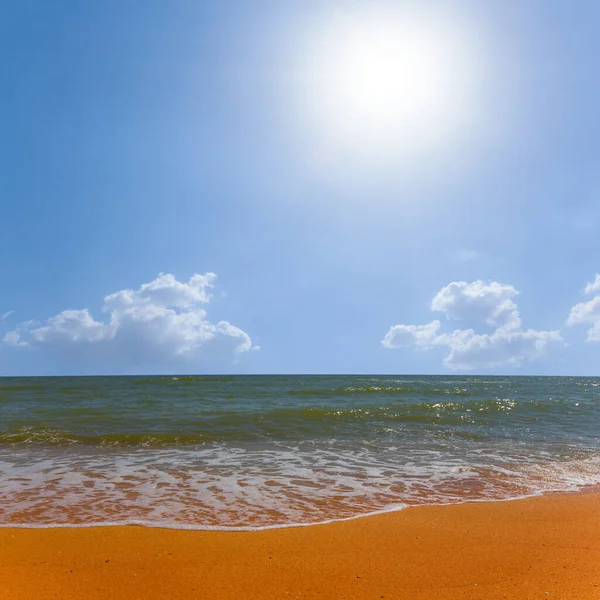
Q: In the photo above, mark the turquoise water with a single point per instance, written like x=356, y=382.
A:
x=257, y=451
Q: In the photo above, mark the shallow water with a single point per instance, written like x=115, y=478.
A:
x=256, y=451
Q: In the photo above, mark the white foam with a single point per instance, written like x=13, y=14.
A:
x=255, y=487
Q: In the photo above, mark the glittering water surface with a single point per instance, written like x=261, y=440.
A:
x=250, y=451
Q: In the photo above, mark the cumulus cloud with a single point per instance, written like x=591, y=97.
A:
x=593, y=286
x=162, y=319
x=490, y=304
x=588, y=313
x=402, y=336
x=469, y=350
x=13, y=338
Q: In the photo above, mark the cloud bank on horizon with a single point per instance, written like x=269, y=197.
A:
x=162, y=320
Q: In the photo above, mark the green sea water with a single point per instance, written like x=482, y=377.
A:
x=260, y=451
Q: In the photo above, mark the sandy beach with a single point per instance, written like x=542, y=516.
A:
x=545, y=547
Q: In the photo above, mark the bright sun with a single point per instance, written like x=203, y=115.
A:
x=388, y=81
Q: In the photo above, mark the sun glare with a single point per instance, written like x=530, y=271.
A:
x=381, y=81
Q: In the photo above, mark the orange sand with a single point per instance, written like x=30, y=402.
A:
x=543, y=548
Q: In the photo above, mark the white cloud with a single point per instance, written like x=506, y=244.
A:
x=488, y=303
x=161, y=320
x=402, y=336
x=588, y=313
x=593, y=286
x=6, y=315
x=469, y=350
x=164, y=291
x=72, y=326
x=13, y=338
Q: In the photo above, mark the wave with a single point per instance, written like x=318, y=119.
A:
x=56, y=437
x=229, y=489
x=161, y=380
x=383, y=390
x=167, y=524
x=111, y=427
x=22, y=387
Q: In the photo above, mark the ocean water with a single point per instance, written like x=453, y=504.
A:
x=265, y=451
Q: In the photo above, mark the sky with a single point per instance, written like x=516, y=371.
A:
x=301, y=187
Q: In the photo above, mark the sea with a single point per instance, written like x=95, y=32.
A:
x=254, y=452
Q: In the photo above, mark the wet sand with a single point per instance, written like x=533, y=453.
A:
x=543, y=548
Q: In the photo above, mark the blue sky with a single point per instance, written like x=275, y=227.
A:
x=187, y=138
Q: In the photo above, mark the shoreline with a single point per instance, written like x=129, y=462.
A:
x=590, y=488
x=545, y=546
